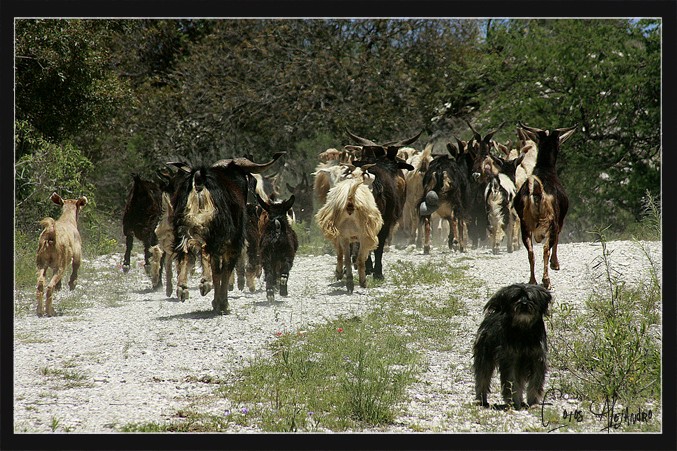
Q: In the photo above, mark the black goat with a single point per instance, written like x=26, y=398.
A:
x=541, y=202
x=278, y=244
x=209, y=212
x=444, y=188
x=389, y=188
x=142, y=212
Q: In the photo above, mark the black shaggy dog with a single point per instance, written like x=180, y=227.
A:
x=512, y=337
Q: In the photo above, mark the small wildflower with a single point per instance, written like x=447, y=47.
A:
x=339, y=330
x=244, y=411
x=226, y=412
x=278, y=333
x=310, y=414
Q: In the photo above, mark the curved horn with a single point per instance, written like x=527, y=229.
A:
x=529, y=129
x=404, y=142
x=565, y=133
x=181, y=165
x=362, y=141
x=478, y=137
x=247, y=165
x=489, y=135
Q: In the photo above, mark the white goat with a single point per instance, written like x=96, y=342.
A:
x=350, y=215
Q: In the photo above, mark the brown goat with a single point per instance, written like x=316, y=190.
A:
x=59, y=245
x=541, y=202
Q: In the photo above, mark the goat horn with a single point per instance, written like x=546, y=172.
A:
x=566, y=129
x=527, y=128
x=248, y=165
x=565, y=133
x=489, y=135
x=362, y=141
x=404, y=142
x=478, y=137
x=181, y=165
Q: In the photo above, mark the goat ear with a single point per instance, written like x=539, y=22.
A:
x=81, y=202
x=261, y=202
x=404, y=165
x=56, y=199
x=289, y=202
x=453, y=151
x=519, y=159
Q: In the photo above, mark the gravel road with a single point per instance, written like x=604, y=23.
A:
x=119, y=353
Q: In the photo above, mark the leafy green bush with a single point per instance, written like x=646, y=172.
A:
x=613, y=347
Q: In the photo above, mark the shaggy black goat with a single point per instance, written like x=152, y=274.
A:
x=209, y=212
x=278, y=244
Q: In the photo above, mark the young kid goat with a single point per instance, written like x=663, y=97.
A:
x=278, y=244
x=58, y=246
x=541, y=202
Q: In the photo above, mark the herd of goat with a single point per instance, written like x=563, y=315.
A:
x=227, y=217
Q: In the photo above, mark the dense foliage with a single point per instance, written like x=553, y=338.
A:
x=98, y=99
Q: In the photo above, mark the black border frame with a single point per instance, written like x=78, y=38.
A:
x=666, y=9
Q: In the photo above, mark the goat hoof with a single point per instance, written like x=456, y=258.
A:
x=378, y=276
x=426, y=250
x=51, y=313
x=146, y=268
x=182, y=293
x=496, y=251
x=240, y=285
x=554, y=265
x=270, y=294
x=125, y=268
x=350, y=288
x=205, y=287
x=168, y=291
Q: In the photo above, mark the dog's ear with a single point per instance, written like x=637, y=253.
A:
x=503, y=299
x=542, y=298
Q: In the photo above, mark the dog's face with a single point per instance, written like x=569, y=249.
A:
x=523, y=303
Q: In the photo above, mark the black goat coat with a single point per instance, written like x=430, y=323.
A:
x=225, y=232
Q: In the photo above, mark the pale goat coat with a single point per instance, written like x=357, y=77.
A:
x=58, y=246
x=350, y=215
x=502, y=217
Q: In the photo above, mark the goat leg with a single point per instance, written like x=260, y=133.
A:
x=56, y=278
x=75, y=266
x=206, y=280
x=361, y=270
x=270, y=281
x=240, y=270
x=554, y=261
x=283, y=283
x=182, y=279
x=339, y=260
x=128, y=253
x=168, y=274
x=526, y=239
x=546, y=257
x=350, y=284
x=146, y=258
x=426, y=241
x=40, y=291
